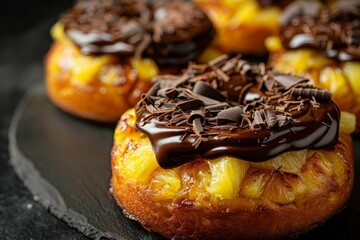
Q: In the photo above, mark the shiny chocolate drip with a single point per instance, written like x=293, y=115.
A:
x=231, y=107
x=171, y=32
x=334, y=30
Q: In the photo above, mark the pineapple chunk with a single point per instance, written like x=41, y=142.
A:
x=268, y=16
x=335, y=82
x=209, y=54
x=347, y=122
x=145, y=67
x=278, y=190
x=299, y=59
x=352, y=73
x=337, y=165
x=290, y=162
x=87, y=68
x=273, y=44
x=316, y=172
x=142, y=162
x=227, y=174
x=231, y=3
x=253, y=185
x=57, y=31
x=165, y=184
x=245, y=12
x=318, y=61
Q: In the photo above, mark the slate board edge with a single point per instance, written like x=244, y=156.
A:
x=46, y=193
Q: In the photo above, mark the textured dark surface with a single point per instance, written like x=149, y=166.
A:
x=65, y=162
x=24, y=39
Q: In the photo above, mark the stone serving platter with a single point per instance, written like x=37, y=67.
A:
x=65, y=163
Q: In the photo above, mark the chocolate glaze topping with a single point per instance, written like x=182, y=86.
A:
x=171, y=32
x=333, y=30
x=230, y=107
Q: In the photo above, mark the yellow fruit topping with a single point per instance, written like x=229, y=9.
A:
x=209, y=54
x=141, y=163
x=86, y=68
x=165, y=184
x=245, y=12
x=57, y=31
x=146, y=68
x=227, y=174
x=268, y=16
x=347, y=122
x=352, y=73
x=289, y=162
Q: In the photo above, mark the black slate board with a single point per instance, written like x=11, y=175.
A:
x=65, y=163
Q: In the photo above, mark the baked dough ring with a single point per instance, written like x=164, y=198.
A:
x=269, y=203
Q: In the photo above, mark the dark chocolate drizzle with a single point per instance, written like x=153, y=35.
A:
x=171, y=32
x=335, y=31
x=230, y=107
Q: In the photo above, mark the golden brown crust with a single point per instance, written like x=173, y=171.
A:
x=91, y=100
x=242, y=217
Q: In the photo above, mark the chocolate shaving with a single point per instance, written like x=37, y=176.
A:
x=192, y=104
x=201, y=88
x=318, y=94
x=229, y=115
x=217, y=107
x=197, y=127
x=196, y=114
x=270, y=118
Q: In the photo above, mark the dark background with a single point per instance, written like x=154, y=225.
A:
x=24, y=40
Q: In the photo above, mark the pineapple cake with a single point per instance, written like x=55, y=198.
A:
x=106, y=52
x=322, y=43
x=232, y=150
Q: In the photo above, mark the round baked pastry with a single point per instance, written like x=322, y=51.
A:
x=231, y=150
x=322, y=43
x=243, y=25
x=106, y=52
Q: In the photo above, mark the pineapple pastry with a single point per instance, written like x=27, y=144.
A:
x=243, y=25
x=322, y=43
x=231, y=150
x=106, y=52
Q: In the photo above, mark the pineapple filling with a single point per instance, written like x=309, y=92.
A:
x=233, y=13
x=106, y=69
x=282, y=179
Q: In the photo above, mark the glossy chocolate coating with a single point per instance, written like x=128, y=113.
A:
x=171, y=32
x=276, y=114
x=335, y=31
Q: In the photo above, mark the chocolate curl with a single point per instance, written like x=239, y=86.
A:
x=258, y=121
x=196, y=114
x=217, y=107
x=205, y=90
x=270, y=118
x=219, y=60
x=318, y=94
x=230, y=115
x=192, y=104
x=287, y=80
x=197, y=127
